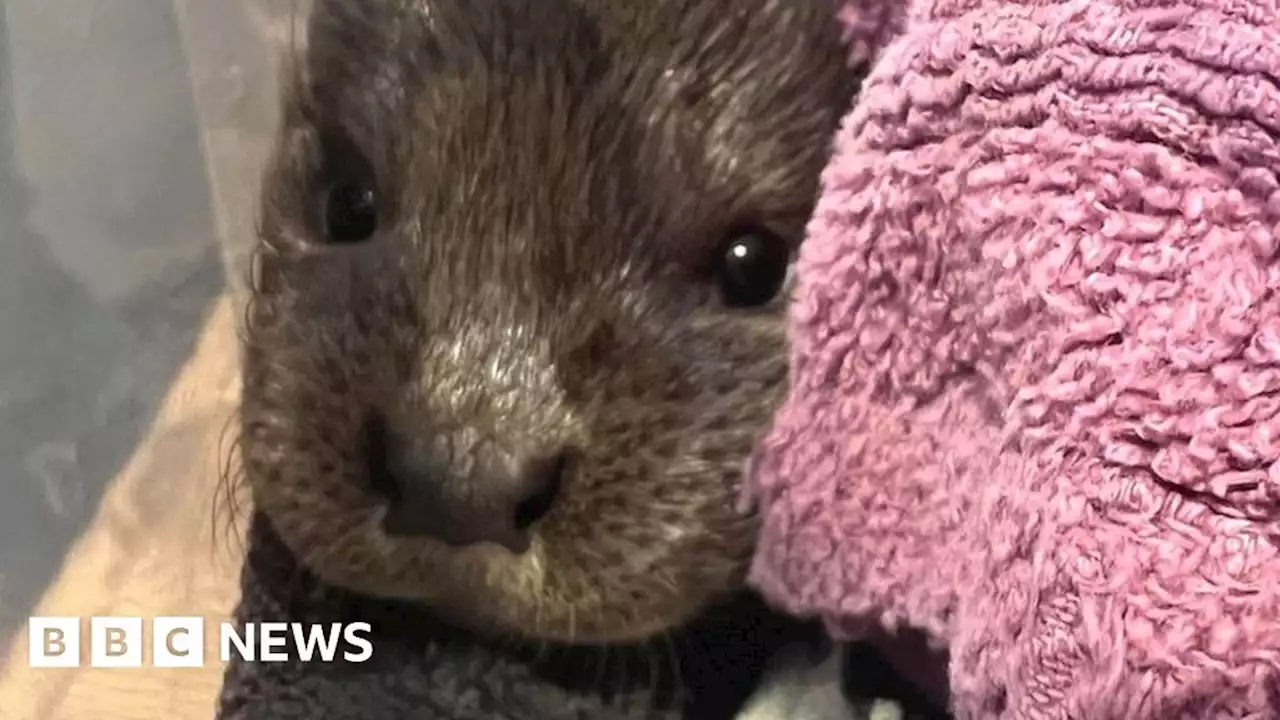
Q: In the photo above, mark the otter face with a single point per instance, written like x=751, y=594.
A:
x=518, y=317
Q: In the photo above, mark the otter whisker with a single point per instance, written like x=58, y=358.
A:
x=231, y=486
x=294, y=13
x=622, y=673
x=602, y=668
x=539, y=604
x=605, y=670
x=540, y=651
x=677, y=672
x=655, y=676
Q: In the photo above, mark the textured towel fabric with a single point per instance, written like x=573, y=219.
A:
x=1036, y=397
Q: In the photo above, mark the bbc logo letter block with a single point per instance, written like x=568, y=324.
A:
x=115, y=642
x=54, y=642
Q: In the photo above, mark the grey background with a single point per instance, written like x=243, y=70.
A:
x=131, y=139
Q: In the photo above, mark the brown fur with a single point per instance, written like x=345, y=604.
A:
x=555, y=179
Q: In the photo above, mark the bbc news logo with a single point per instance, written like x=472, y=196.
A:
x=179, y=642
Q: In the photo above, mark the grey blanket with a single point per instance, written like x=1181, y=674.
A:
x=741, y=661
x=422, y=670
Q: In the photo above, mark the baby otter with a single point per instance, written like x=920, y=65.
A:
x=518, y=310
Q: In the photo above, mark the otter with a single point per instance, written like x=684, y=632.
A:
x=518, y=307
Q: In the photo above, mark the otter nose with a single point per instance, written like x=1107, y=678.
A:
x=490, y=496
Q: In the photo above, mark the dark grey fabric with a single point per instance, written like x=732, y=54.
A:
x=421, y=670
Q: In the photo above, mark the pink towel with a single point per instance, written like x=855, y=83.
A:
x=1036, y=400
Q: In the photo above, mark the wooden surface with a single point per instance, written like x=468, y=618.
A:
x=149, y=551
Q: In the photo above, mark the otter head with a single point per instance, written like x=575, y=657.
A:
x=517, y=315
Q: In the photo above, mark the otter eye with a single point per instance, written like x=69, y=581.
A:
x=350, y=212
x=752, y=268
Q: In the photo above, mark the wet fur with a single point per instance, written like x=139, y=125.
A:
x=555, y=178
